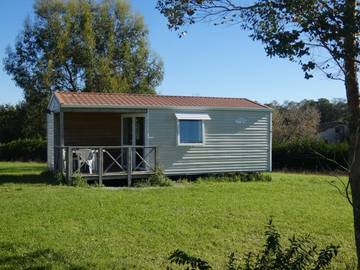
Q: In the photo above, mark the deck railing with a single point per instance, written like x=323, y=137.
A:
x=106, y=162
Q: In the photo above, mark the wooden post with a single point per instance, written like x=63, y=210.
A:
x=61, y=139
x=61, y=126
x=68, y=164
x=129, y=167
x=157, y=160
x=60, y=159
x=100, y=165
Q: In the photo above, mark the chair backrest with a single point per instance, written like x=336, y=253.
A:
x=85, y=154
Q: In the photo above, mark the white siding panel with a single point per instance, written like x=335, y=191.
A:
x=229, y=146
x=50, y=141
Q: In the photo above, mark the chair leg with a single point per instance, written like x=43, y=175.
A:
x=90, y=166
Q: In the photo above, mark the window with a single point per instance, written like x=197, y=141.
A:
x=190, y=131
x=191, y=127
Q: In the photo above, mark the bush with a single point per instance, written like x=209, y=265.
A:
x=302, y=253
x=238, y=177
x=24, y=150
x=77, y=180
x=59, y=178
x=309, y=155
x=158, y=179
x=11, y=122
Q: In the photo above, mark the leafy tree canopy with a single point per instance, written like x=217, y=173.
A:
x=295, y=122
x=81, y=45
x=10, y=122
x=330, y=110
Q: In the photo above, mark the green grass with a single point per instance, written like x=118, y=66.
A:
x=66, y=227
x=21, y=168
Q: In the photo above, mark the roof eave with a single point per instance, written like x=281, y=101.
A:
x=78, y=106
x=53, y=97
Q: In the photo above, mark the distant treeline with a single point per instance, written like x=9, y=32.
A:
x=298, y=121
x=329, y=110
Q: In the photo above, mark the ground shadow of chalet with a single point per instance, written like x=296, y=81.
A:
x=11, y=258
x=27, y=179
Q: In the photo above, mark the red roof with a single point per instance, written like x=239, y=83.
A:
x=140, y=100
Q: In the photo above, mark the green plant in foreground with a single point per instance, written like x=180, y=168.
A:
x=302, y=253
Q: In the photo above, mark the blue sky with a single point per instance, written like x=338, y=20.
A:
x=208, y=61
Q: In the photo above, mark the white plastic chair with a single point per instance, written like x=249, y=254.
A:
x=88, y=157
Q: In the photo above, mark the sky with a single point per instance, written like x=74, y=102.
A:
x=208, y=61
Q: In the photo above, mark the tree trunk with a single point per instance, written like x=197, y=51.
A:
x=352, y=93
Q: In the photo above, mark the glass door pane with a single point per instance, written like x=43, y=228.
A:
x=139, y=131
x=127, y=131
x=139, y=140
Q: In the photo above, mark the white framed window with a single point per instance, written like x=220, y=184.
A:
x=190, y=129
x=191, y=132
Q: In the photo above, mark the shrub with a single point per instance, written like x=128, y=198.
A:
x=77, y=180
x=302, y=253
x=309, y=155
x=11, y=122
x=59, y=178
x=159, y=179
x=254, y=176
x=238, y=177
x=52, y=177
x=24, y=150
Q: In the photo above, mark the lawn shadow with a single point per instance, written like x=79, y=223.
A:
x=11, y=258
x=29, y=178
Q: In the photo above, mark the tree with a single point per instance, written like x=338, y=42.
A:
x=318, y=34
x=81, y=45
x=295, y=123
x=10, y=122
x=334, y=110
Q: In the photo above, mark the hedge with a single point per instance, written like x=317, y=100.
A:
x=24, y=150
x=312, y=156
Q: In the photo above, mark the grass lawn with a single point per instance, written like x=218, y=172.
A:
x=66, y=227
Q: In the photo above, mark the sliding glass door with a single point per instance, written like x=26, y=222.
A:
x=133, y=134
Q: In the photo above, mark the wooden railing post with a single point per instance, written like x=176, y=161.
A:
x=68, y=164
x=60, y=160
x=100, y=165
x=129, y=166
x=157, y=160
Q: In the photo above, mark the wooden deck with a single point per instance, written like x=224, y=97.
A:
x=118, y=175
x=101, y=163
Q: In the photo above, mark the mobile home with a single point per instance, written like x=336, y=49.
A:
x=115, y=135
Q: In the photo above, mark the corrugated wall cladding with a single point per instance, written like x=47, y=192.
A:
x=234, y=141
x=50, y=140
